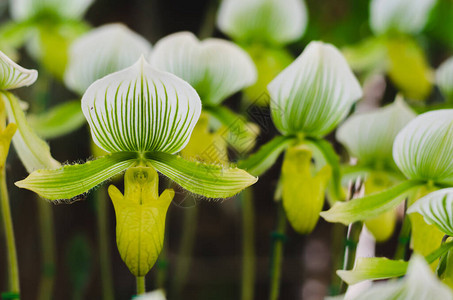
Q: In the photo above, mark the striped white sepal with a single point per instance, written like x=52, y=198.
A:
x=102, y=51
x=444, y=78
x=71, y=9
x=141, y=109
x=14, y=76
x=216, y=68
x=314, y=93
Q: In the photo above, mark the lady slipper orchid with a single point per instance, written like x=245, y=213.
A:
x=444, y=78
x=27, y=9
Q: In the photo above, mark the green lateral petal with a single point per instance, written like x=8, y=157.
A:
x=70, y=9
x=373, y=268
x=259, y=162
x=444, y=78
x=437, y=209
x=369, y=206
x=239, y=133
x=216, y=68
x=212, y=181
x=104, y=50
x=314, y=93
x=32, y=150
x=6, y=135
x=58, y=121
x=423, y=150
x=141, y=109
x=72, y=180
x=14, y=76
x=399, y=15
x=266, y=21
x=369, y=136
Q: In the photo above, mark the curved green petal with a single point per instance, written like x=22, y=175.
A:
x=444, y=78
x=314, y=93
x=212, y=181
x=70, y=181
x=104, y=50
x=14, y=76
x=405, y=16
x=369, y=136
x=216, y=68
x=70, y=9
x=266, y=21
x=141, y=109
x=423, y=150
x=437, y=209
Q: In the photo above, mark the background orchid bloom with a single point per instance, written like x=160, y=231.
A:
x=444, y=78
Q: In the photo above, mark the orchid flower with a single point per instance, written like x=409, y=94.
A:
x=444, y=78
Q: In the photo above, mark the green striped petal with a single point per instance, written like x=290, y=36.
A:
x=437, y=209
x=13, y=76
x=369, y=136
x=70, y=181
x=141, y=109
x=444, y=78
x=266, y=21
x=216, y=68
x=102, y=51
x=314, y=93
x=70, y=9
x=212, y=181
x=423, y=150
x=405, y=16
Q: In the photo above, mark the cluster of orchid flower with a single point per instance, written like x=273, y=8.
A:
x=155, y=109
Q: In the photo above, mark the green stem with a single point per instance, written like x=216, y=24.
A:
x=278, y=239
x=141, y=289
x=47, y=249
x=248, y=245
x=185, y=249
x=208, y=24
x=13, y=268
x=104, y=244
x=404, y=237
x=350, y=249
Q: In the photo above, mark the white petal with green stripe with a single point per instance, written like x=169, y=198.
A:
x=423, y=150
x=405, y=16
x=267, y=21
x=102, y=51
x=14, y=76
x=70, y=9
x=444, y=78
x=369, y=136
x=314, y=93
x=216, y=68
x=437, y=209
x=141, y=109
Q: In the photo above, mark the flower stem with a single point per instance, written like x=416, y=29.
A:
x=13, y=268
x=278, y=239
x=248, y=245
x=141, y=289
x=404, y=236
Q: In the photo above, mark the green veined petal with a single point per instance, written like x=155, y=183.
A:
x=267, y=21
x=104, y=50
x=216, y=68
x=437, y=209
x=369, y=206
x=211, y=181
x=32, y=150
x=141, y=109
x=369, y=136
x=265, y=157
x=72, y=180
x=314, y=93
x=26, y=9
x=444, y=78
x=58, y=121
x=423, y=150
x=14, y=76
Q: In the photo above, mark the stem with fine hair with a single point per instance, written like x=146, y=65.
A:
x=278, y=239
x=141, y=289
x=248, y=247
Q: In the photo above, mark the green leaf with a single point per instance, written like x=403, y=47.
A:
x=213, y=181
x=444, y=78
x=13, y=76
x=13, y=35
x=370, y=206
x=216, y=68
x=260, y=161
x=32, y=150
x=72, y=180
x=140, y=218
x=141, y=109
x=315, y=93
x=58, y=121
